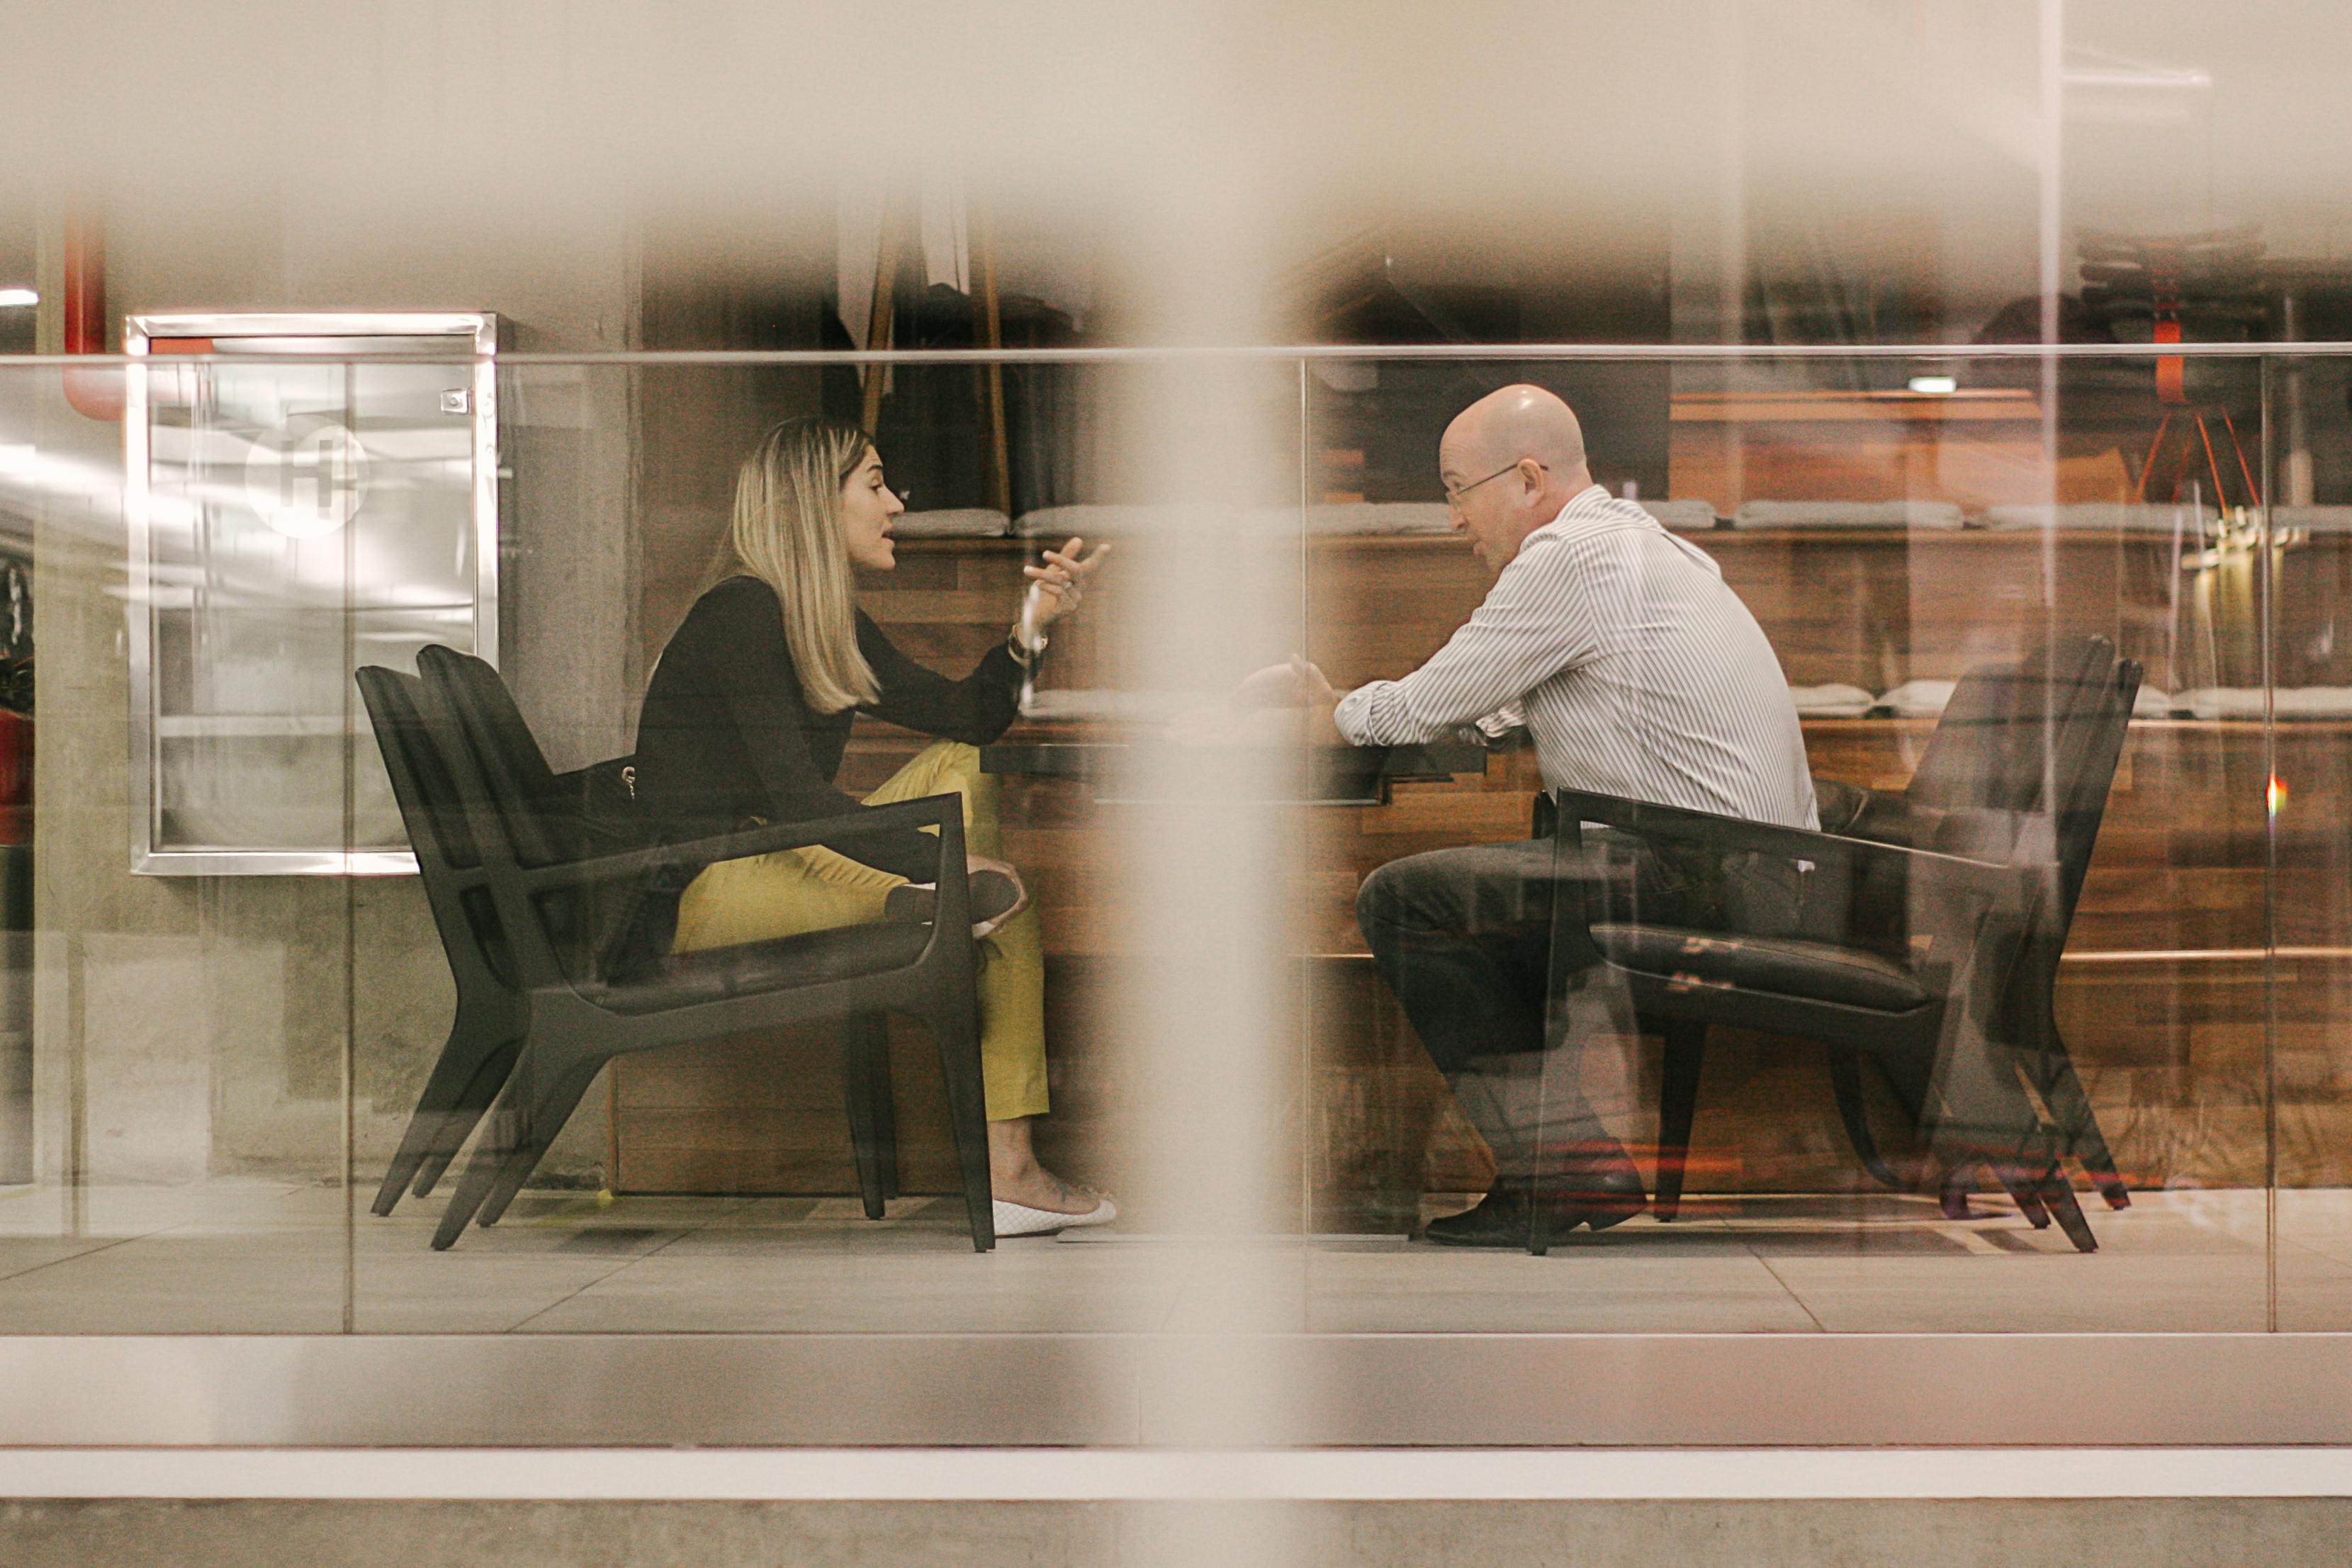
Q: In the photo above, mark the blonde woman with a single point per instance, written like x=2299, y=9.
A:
x=747, y=716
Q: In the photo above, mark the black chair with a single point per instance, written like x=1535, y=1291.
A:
x=622, y=929
x=1969, y=916
x=2042, y=737
x=581, y=985
x=1911, y=943
x=593, y=809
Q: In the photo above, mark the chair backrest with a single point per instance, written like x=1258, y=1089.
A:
x=536, y=826
x=450, y=860
x=2041, y=737
x=2101, y=725
x=1996, y=747
x=588, y=930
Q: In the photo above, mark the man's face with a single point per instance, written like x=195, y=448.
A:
x=1487, y=506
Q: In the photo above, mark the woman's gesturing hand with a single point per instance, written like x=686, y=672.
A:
x=1062, y=578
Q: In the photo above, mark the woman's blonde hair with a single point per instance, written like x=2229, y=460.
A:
x=787, y=533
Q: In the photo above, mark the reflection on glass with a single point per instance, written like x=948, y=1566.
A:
x=1948, y=896
x=295, y=517
x=2000, y=1011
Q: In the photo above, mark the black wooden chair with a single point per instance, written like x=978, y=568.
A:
x=559, y=927
x=489, y=1024
x=1970, y=911
x=593, y=810
x=2017, y=773
x=2044, y=735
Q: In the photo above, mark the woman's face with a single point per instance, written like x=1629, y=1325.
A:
x=868, y=510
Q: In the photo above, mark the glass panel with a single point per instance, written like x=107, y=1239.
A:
x=2311, y=919
x=1990, y=627
x=713, y=1184
x=1928, y=603
x=172, y=1067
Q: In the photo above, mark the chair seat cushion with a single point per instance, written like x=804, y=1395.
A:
x=713, y=973
x=1783, y=966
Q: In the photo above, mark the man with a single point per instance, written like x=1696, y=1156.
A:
x=1637, y=672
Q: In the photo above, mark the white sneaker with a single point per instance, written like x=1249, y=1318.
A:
x=1020, y=1219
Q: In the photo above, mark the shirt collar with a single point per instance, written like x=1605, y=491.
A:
x=1595, y=504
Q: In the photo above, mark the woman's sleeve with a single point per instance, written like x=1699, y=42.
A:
x=974, y=710
x=763, y=694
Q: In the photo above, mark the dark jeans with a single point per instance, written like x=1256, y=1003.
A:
x=1466, y=938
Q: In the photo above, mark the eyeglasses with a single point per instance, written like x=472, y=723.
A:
x=1454, y=497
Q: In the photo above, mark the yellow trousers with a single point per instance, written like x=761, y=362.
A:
x=816, y=889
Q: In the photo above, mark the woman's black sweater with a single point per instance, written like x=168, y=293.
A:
x=725, y=735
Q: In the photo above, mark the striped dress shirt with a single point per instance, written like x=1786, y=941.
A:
x=1636, y=670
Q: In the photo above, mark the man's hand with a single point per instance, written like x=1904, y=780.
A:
x=1296, y=683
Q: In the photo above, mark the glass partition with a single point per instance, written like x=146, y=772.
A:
x=1988, y=979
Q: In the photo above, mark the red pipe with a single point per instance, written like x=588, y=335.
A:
x=97, y=393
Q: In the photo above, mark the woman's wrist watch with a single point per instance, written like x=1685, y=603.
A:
x=1025, y=654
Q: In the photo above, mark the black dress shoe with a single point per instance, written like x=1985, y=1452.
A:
x=1506, y=1216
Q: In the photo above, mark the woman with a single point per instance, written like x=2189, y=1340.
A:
x=747, y=716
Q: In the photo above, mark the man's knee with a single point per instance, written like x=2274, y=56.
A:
x=1407, y=892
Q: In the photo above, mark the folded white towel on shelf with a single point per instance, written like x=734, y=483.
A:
x=1940, y=515
x=2129, y=518
x=1684, y=517
x=1091, y=522
x=1379, y=518
x=2151, y=703
x=1832, y=701
x=1918, y=699
x=953, y=523
x=2312, y=519
x=2286, y=702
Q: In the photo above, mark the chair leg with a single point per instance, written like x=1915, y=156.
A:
x=459, y=1124
x=448, y=1091
x=955, y=1026
x=501, y=1135
x=1685, y=1052
x=865, y=1134
x=2026, y=1194
x=885, y=1107
x=1845, y=1078
x=2057, y=1196
x=2062, y=1091
x=545, y=1120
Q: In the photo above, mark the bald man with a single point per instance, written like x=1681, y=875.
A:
x=1637, y=672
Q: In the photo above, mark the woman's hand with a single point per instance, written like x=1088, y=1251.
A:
x=1062, y=578
x=973, y=864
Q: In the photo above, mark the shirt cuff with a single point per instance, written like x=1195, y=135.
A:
x=1354, y=709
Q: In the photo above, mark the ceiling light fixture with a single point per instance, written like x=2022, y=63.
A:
x=17, y=296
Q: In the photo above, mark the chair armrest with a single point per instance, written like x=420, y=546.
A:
x=2005, y=885
x=932, y=810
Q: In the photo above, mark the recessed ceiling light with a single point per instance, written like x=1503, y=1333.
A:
x=17, y=296
x=1935, y=385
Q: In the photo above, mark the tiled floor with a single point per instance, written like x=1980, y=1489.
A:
x=254, y=1257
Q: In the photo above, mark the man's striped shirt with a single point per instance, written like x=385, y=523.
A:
x=1636, y=670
